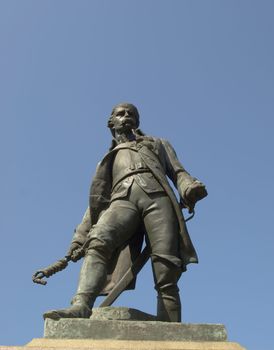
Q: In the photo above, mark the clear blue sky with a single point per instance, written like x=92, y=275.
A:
x=202, y=76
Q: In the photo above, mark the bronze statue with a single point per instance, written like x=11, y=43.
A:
x=131, y=199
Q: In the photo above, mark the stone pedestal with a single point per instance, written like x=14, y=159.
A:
x=88, y=344
x=132, y=330
x=128, y=329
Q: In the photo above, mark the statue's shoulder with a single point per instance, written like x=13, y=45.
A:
x=156, y=139
x=159, y=143
x=152, y=139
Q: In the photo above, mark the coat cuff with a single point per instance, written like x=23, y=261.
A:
x=183, y=183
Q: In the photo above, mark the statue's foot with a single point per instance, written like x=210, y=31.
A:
x=75, y=311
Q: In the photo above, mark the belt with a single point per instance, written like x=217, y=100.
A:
x=133, y=169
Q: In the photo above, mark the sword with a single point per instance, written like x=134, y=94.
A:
x=130, y=274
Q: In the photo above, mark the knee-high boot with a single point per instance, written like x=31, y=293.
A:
x=166, y=276
x=91, y=281
x=169, y=307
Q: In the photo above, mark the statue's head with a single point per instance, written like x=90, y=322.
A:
x=124, y=117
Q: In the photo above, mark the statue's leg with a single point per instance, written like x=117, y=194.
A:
x=91, y=281
x=163, y=235
x=114, y=227
x=166, y=276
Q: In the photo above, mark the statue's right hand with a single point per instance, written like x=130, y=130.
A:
x=74, y=246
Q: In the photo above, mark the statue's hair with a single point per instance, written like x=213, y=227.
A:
x=128, y=105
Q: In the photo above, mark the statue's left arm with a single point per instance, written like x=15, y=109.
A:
x=190, y=189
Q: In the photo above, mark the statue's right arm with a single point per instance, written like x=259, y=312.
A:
x=81, y=232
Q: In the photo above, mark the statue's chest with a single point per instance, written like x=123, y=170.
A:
x=125, y=159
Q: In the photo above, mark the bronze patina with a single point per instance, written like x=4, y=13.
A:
x=132, y=200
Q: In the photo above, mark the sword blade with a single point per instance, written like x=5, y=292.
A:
x=128, y=277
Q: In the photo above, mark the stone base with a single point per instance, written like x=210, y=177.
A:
x=81, y=344
x=127, y=329
x=79, y=328
x=73, y=344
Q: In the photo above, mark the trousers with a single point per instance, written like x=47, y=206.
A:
x=117, y=225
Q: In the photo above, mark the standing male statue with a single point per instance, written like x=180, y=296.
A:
x=130, y=198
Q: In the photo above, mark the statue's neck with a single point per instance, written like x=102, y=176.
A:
x=124, y=136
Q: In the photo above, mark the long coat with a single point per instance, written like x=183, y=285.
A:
x=161, y=159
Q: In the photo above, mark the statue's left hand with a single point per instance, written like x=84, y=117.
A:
x=195, y=192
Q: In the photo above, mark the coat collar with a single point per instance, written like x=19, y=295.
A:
x=144, y=143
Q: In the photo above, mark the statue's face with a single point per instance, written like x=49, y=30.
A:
x=124, y=119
